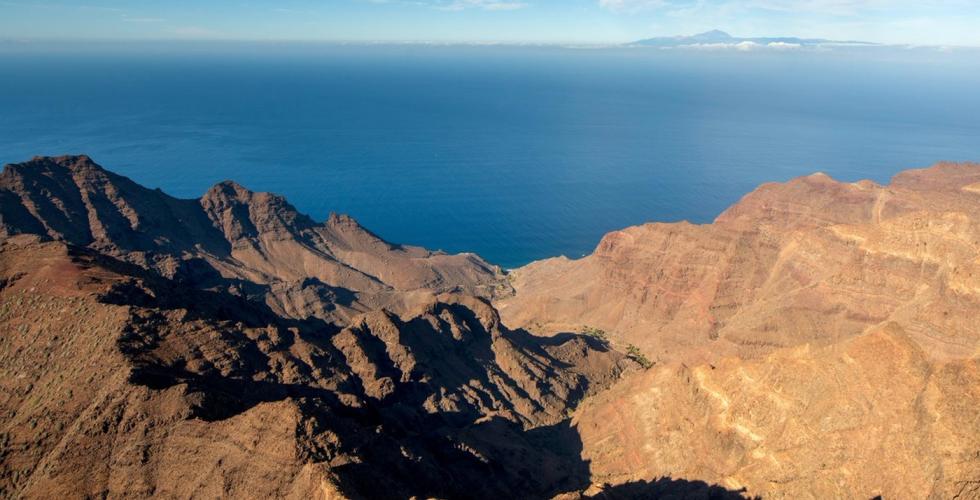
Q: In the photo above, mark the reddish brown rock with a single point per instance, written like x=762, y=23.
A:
x=819, y=339
x=811, y=260
x=119, y=382
x=870, y=416
x=230, y=235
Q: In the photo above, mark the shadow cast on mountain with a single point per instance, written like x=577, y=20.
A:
x=404, y=447
x=404, y=452
x=670, y=488
x=215, y=397
x=562, y=337
x=147, y=290
x=493, y=458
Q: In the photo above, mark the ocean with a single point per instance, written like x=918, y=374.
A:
x=515, y=153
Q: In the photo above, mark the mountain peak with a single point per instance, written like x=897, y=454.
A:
x=71, y=163
x=231, y=230
x=297, y=358
x=723, y=39
x=713, y=35
x=228, y=189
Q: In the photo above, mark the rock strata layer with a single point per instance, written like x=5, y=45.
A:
x=819, y=339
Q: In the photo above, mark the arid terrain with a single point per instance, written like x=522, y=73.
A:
x=819, y=339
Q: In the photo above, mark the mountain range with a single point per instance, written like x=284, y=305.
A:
x=818, y=339
x=721, y=38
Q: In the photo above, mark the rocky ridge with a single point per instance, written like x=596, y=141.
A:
x=230, y=346
x=817, y=340
x=809, y=261
x=252, y=244
x=118, y=382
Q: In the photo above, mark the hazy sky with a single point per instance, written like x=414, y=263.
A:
x=927, y=22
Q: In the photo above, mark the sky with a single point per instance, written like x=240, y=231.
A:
x=921, y=22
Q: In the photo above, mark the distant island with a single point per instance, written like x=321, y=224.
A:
x=721, y=39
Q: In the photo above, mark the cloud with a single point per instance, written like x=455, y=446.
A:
x=670, y=6
x=740, y=46
x=743, y=46
x=483, y=5
x=458, y=5
x=195, y=32
x=634, y=5
x=132, y=19
x=784, y=46
x=838, y=8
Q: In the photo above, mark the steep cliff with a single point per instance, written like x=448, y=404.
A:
x=809, y=261
x=818, y=339
x=118, y=382
x=254, y=244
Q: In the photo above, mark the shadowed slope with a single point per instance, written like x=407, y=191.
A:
x=819, y=339
x=231, y=234
x=120, y=382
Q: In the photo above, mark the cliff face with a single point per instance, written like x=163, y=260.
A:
x=819, y=339
x=869, y=416
x=809, y=261
x=230, y=346
x=255, y=244
x=123, y=383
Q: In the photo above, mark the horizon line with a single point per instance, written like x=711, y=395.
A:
x=445, y=43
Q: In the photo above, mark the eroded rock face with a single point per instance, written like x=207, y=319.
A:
x=819, y=339
x=809, y=261
x=119, y=382
x=254, y=244
x=872, y=415
x=230, y=346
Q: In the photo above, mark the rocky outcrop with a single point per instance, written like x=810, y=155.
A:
x=872, y=416
x=254, y=244
x=819, y=339
x=809, y=261
x=122, y=383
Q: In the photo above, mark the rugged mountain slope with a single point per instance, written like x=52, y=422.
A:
x=873, y=415
x=811, y=260
x=819, y=339
x=230, y=235
x=118, y=382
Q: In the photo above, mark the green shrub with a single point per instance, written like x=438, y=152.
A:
x=595, y=333
x=635, y=354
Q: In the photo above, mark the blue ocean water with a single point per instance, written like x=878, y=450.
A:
x=516, y=153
